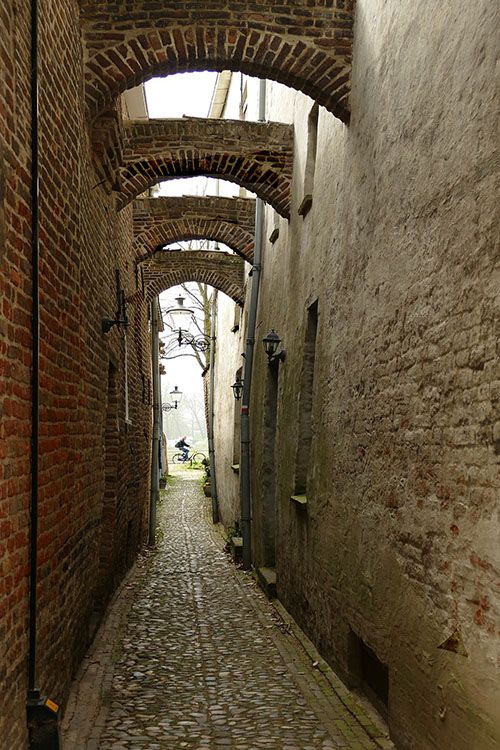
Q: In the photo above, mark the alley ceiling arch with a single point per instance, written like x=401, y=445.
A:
x=160, y=221
x=255, y=155
x=306, y=45
x=223, y=271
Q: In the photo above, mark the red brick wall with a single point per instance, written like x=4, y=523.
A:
x=159, y=221
x=82, y=243
x=304, y=44
x=220, y=270
x=14, y=367
x=256, y=155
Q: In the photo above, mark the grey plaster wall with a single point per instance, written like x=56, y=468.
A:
x=228, y=359
x=398, y=542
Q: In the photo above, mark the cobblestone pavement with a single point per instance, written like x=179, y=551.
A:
x=193, y=656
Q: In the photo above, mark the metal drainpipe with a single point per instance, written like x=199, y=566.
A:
x=33, y=691
x=155, y=447
x=211, y=406
x=245, y=479
x=42, y=713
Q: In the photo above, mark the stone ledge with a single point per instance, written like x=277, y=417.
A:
x=305, y=206
x=235, y=468
x=236, y=547
x=266, y=578
x=299, y=500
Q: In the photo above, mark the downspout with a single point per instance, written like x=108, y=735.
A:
x=42, y=713
x=245, y=480
x=155, y=447
x=33, y=691
x=211, y=407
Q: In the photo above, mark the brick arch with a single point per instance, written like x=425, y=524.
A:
x=159, y=221
x=306, y=45
x=223, y=271
x=255, y=155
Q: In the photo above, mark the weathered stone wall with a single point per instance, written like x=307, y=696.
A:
x=398, y=540
x=230, y=344
x=88, y=521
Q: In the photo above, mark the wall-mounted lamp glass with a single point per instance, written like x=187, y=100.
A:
x=271, y=343
x=237, y=387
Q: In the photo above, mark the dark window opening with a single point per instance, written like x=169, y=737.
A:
x=306, y=394
x=312, y=148
x=369, y=673
x=237, y=425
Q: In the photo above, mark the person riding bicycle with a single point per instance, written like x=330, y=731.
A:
x=183, y=447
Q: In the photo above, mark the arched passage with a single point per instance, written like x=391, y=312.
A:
x=304, y=44
x=160, y=221
x=256, y=155
x=223, y=271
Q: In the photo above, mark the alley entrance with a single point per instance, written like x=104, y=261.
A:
x=191, y=655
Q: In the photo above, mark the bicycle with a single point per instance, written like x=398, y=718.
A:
x=193, y=458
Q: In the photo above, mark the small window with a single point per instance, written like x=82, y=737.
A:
x=312, y=145
x=306, y=396
x=369, y=673
x=237, y=425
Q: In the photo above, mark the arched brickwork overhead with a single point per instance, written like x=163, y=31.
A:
x=304, y=44
x=255, y=155
x=223, y=271
x=159, y=221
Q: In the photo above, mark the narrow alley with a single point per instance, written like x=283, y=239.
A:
x=192, y=655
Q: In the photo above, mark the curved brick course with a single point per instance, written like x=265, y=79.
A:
x=256, y=155
x=159, y=221
x=306, y=45
x=223, y=271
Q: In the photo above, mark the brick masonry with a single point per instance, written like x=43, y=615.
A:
x=159, y=221
x=256, y=155
x=94, y=467
x=169, y=268
x=306, y=45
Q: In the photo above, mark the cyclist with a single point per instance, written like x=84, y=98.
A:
x=183, y=447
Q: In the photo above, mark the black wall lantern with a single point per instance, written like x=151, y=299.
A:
x=271, y=343
x=237, y=387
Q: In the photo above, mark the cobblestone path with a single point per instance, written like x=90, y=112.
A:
x=193, y=656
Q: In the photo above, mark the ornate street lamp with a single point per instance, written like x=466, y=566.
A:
x=179, y=320
x=271, y=343
x=176, y=396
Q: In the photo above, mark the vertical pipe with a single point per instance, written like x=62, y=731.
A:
x=211, y=403
x=245, y=479
x=33, y=692
x=155, y=447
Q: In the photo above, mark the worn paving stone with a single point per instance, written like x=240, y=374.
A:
x=190, y=656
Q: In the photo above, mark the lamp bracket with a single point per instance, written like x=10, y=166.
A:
x=278, y=357
x=108, y=323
